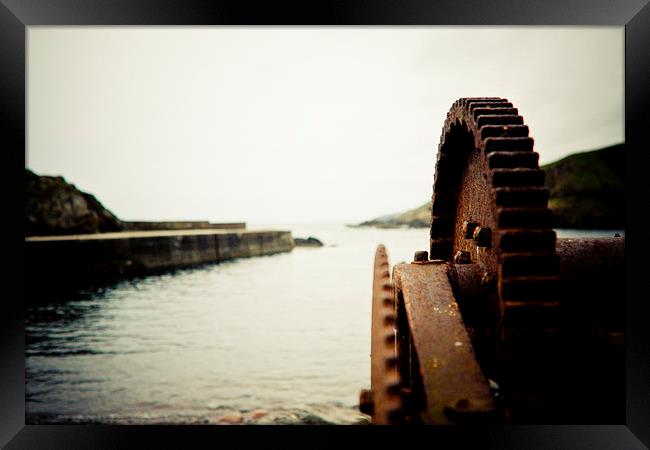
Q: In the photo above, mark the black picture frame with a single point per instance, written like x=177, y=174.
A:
x=16, y=15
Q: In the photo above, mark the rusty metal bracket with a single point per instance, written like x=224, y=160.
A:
x=454, y=387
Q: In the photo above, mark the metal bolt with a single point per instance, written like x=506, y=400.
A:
x=462, y=257
x=489, y=281
x=468, y=229
x=366, y=403
x=483, y=236
x=422, y=255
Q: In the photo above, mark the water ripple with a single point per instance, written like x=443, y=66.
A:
x=285, y=337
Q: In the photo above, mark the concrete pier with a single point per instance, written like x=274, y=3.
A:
x=182, y=225
x=57, y=265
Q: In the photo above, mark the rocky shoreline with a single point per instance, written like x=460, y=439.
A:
x=315, y=415
x=309, y=242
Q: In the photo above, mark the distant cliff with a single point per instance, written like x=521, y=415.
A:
x=55, y=207
x=419, y=217
x=587, y=190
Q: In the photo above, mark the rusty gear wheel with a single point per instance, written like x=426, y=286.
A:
x=489, y=207
x=524, y=341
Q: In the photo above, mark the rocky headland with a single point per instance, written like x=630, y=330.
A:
x=55, y=207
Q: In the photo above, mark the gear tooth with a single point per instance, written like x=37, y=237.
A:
x=518, y=264
x=488, y=104
x=495, y=143
x=499, y=119
x=520, y=240
x=503, y=131
x=494, y=110
x=389, y=302
x=535, y=196
x=441, y=226
x=511, y=160
x=522, y=217
x=440, y=248
x=389, y=320
x=443, y=204
x=533, y=288
x=517, y=177
x=531, y=318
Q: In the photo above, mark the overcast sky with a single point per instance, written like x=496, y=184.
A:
x=302, y=124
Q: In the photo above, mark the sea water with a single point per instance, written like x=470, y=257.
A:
x=273, y=339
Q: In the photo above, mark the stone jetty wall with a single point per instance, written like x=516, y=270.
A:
x=61, y=265
x=182, y=225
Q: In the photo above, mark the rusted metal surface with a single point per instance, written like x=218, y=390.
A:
x=421, y=256
x=541, y=319
x=453, y=385
x=386, y=405
x=592, y=272
x=583, y=257
x=468, y=280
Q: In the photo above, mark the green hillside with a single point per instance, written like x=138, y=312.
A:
x=587, y=190
x=419, y=217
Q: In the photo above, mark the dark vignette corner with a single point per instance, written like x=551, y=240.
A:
x=12, y=93
x=637, y=117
